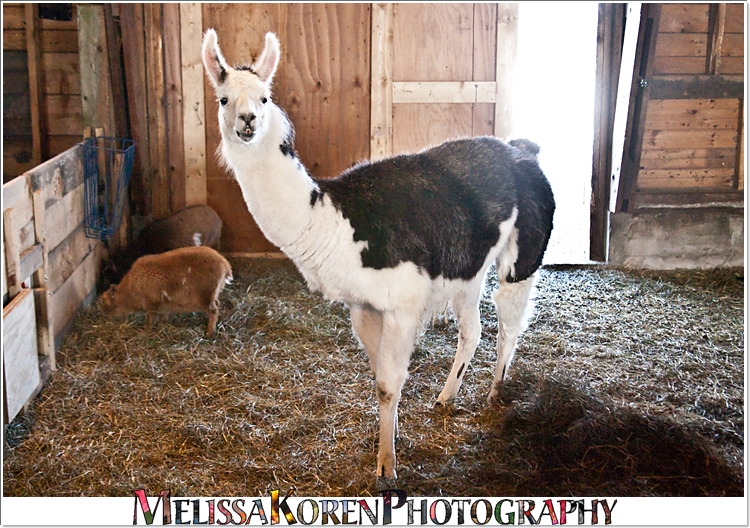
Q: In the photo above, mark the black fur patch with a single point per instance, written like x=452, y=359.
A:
x=441, y=208
x=287, y=146
x=315, y=195
x=222, y=71
x=460, y=371
x=287, y=149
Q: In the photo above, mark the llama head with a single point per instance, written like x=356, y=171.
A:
x=242, y=92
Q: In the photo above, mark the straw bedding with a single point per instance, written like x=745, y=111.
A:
x=626, y=383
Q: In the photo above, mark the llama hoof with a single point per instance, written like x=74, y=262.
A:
x=387, y=473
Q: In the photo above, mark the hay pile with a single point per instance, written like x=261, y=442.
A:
x=625, y=384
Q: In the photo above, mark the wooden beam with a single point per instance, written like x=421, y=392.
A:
x=507, y=51
x=40, y=149
x=134, y=58
x=608, y=54
x=45, y=336
x=173, y=108
x=717, y=15
x=96, y=87
x=697, y=87
x=12, y=258
x=381, y=95
x=116, y=75
x=193, y=104
x=739, y=180
x=154, y=45
x=444, y=92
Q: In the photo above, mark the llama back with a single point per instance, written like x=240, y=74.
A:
x=440, y=208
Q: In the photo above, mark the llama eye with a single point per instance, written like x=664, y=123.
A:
x=264, y=100
x=223, y=101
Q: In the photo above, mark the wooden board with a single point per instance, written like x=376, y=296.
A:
x=62, y=74
x=687, y=179
x=65, y=115
x=381, y=91
x=20, y=361
x=66, y=302
x=442, y=53
x=684, y=18
x=194, y=104
x=173, y=110
x=68, y=257
x=416, y=126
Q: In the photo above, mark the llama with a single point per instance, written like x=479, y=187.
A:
x=182, y=280
x=395, y=240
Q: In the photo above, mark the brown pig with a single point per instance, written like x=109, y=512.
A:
x=182, y=280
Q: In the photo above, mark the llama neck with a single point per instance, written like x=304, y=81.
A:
x=274, y=183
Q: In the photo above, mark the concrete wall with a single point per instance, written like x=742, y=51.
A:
x=678, y=238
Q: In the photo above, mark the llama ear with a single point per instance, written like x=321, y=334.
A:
x=214, y=62
x=265, y=66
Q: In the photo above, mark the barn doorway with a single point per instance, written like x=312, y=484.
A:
x=554, y=106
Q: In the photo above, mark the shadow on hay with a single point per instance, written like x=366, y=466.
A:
x=562, y=441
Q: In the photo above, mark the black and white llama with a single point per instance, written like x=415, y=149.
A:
x=396, y=240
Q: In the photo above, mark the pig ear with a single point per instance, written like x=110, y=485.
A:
x=213, y=60
x=265, y=66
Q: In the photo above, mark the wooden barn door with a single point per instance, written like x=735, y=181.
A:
x=322, y=83
x=434, y=73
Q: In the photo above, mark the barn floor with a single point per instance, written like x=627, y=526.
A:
x=626, y=384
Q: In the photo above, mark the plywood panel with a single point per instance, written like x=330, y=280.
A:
x=433, y=42
x=21, y=364
x=323, y=83
x=416, y=126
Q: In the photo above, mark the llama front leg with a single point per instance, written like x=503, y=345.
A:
x=469, y=330
x=367, y=323
x=396, y=347
x=513, y=311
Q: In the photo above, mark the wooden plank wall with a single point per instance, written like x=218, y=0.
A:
x=692, y=144
x=323, y=83
x=461, y=48
x=45, y=211
x=60, y=100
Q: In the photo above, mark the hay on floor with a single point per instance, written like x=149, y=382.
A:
x=626, y=383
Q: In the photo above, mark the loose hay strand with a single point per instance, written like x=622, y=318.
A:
x=626, y=383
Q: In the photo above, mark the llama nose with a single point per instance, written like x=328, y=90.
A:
x=247, y=118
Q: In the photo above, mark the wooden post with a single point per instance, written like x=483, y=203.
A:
x=159, y=183
x=193, y=103
x=717, y=15
x=381, y=97
x=40, y=150
x=173, y=107
x=12, y=256
x=96, y=86
x=507, y=51
x=45, y=335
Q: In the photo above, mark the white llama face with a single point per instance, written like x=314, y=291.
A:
x=243, y=93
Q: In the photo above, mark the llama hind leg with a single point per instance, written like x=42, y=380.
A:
x=513, y=310
x=469, y=331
